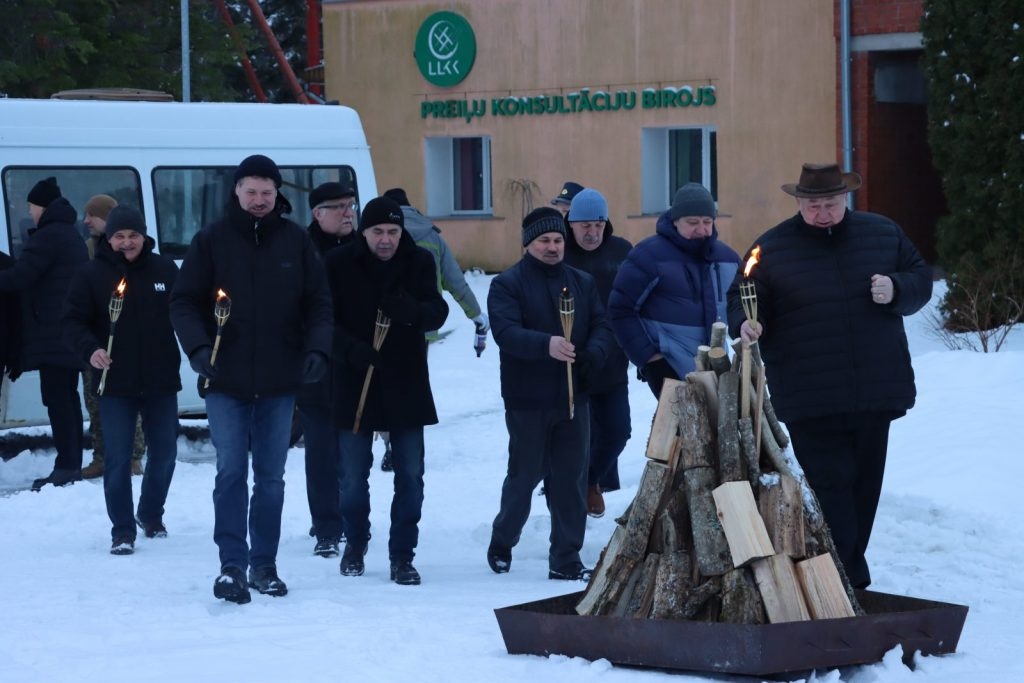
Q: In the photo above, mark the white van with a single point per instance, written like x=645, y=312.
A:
x=175, y=162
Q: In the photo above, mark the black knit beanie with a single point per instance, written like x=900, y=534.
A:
x=45, y=192
x=258, y=166
x=381, y=210
x=542, y=220
x=124, y=217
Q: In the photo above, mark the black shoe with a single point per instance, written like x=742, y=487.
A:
x=404, y=574
x=385, y=462
x=352, y=561
x=266, y=581
x=58, y=478
x=500, y=559
x=571, y=573
x=152, y=529
x=326, y=547
x=122, y=545
x=231, y=586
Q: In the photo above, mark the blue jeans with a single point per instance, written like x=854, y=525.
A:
x=323, y=469
x=407, y=503
x=262, y=425
x=609, y=432
x=118, y=415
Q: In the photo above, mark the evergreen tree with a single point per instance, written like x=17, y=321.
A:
x=974, y=61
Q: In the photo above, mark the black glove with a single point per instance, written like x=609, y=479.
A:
x=200, y=362
x=13, y=372
x=361, y=356
x=655, y=373
x=313, y=367
x=586, y=369
x=401, y=308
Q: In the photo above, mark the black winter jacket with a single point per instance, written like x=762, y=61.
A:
x=523, y=306
x=828, y=348
x=318, y=395
x=602, y=264
x=10, y=326
x=280, y=304
x=399, y=394
x=43, y=273
x=145, y=357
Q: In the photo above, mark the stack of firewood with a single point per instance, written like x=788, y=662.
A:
x=724, y=526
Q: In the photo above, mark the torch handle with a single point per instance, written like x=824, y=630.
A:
x=572, y=401
x=213, y=356
x=362, y=399
x=103, y=375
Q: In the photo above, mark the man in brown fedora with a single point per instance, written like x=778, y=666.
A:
x=833, y=286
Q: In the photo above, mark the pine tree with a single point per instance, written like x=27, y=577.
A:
x=974, y=62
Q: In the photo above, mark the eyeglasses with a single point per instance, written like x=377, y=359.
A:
x=346, y=206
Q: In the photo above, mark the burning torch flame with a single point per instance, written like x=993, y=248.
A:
x=121, y=287
x=755, y=257
x=221, y=294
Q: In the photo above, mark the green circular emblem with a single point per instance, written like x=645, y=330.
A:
x=445, y=49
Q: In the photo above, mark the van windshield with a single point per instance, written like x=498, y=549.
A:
x=189, y=198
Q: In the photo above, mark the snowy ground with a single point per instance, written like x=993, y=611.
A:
x=947, y=530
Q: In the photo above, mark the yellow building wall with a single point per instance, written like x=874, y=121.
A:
x=772, y=63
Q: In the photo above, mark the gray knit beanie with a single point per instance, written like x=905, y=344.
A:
x=693, y=199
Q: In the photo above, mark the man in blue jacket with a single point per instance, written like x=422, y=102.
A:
x=277, y=337
x=547, y=439
x=42, y=274
x=833, y=286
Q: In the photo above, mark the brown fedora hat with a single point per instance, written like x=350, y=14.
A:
x=822, y=180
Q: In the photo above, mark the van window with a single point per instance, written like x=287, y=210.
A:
x=189, y=198
x=77, y=184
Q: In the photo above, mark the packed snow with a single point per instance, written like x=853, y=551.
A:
x=947, y=530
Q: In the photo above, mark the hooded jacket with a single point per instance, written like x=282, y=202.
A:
x=280, y=304
x=145, y=359
x=42, y=273
x=668, y=293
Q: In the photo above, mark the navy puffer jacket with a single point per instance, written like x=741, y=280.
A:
x=668, y=293
x=828, y=348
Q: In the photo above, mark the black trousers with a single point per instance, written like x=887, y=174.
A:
x=546, y=444
x=59, y=390
x=843, y=457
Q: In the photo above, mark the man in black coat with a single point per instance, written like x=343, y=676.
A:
x=548, y=432
x=139, y=376
x=833, y=286
x=277, y=337
x=592, y=247
x=382, y=276
x=42, y=274
x=334, y=210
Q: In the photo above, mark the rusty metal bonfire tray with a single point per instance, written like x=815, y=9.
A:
x=551, y=626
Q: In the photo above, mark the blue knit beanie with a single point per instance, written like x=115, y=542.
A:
x=693, y=199
x=588, y=205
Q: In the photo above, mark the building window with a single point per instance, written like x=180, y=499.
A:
x=672, y=157
x=458, y=176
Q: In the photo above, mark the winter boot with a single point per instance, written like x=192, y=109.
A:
x=595, y=501
x=152, y=529
x=404, y=574
x=326, y=547
x=137, y=469
x=267, y=582
x=499, y=559
x=93, y=470
x=231, y=586
x=122, y=545
x=352, y=563
x=575, y=572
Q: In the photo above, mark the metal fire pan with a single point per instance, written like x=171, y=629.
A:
x=551, y=626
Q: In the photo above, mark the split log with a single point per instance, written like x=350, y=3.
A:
x=780, y=589
x=759, y=405
x=711, y=550
x=695, y=436
x=718, y=360
x=646, y=505
x=718, y=330
x=747, y=450
x=755, y=354
x=609, y=578
x=782, y=509
x=663, y=441
x=780, y=434
x=638, y=604
x=730, y=463
x=744, y=529
x=672, y=587
x=823, y=589
x=707, y=380
x=700, y=361
x=741, y=601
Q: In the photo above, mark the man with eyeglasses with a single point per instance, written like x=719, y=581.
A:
x=334, y=213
